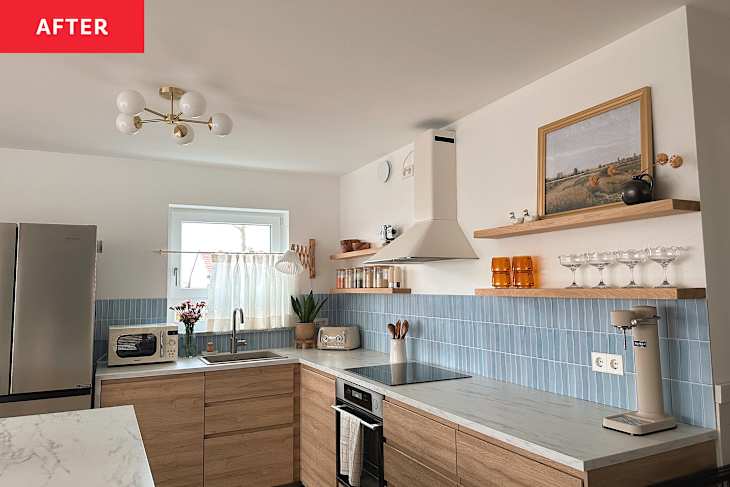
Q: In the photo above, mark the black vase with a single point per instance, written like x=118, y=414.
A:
x=638, y=190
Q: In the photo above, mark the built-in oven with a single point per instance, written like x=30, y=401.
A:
x=367, y=407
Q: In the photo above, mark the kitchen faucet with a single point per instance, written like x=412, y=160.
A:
x=235, y=342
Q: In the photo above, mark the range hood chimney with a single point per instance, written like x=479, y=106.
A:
x=436, y=235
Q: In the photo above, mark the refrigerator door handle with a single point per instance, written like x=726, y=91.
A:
x=8, y=250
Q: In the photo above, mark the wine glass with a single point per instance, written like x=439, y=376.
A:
x=573, y=262
x=664, y=256
x=601, y=260
x=631, y=258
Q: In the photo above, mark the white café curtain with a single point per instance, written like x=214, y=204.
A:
x=249, y=281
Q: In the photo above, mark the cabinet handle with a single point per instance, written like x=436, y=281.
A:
x=340, y=409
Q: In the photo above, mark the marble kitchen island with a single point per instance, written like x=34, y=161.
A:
x=87, y=448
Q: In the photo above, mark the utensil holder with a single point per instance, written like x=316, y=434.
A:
x=398, y=351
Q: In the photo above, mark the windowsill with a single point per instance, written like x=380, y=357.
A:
x=242, y=330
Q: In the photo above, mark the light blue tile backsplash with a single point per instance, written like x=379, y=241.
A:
x=154, y=310
x=544, y=343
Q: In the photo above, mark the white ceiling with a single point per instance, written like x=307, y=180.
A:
x=312, y=85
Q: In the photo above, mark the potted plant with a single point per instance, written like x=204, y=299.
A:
x=189, y=313
x=306, y=310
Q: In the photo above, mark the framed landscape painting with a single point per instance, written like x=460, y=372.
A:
x=585, y=159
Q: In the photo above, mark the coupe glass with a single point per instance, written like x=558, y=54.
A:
x=573, y=262
x=601, y=260
x=631, y=258
x=664, y=256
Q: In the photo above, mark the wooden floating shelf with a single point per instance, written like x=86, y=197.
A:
x=355, y=254
x=614, y=214
x=592, y=293
x=372, y=290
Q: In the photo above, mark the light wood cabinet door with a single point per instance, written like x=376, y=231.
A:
x=425, y=440
x=170, y=415
x=248, y=414
x=318, y=434
x=260, y=458
x=403, y=471
x=247, y=383
x=482, y=464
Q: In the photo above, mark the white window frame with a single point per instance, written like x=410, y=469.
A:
x=277, y=219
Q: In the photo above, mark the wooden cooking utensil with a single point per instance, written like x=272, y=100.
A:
x=397, y=329
x=391, y=330
x=404, y=329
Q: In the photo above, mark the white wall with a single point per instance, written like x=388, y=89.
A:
x=709, y=35
x=497, y=167
x=128, y=200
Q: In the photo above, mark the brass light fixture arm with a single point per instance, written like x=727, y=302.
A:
x=193, y=121
x=155, y=112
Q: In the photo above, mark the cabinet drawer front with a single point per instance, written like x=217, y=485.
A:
x=318, y=440
x=484, y=464
x=247, y=414
x=169, y=412
x=228, y=385
x=421, y=438
x=261, y=458
x=403, y=471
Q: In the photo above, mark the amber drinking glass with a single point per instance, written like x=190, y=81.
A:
x=523, y=279
x=501, y=264
x=523, y=272
x=522, y=263
x=501, y=272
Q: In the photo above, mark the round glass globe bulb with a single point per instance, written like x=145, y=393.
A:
x=220, y=124
x=192, y=104
x=128, y=124
x=130, y=102
x=183, y=134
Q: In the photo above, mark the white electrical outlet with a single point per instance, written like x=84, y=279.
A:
x=598, y=361
x=607, y=363
x=615, y=364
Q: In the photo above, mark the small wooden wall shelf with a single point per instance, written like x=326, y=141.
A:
x=355, y=254
x=372, y=290
x=592, y=293
x=614, y=214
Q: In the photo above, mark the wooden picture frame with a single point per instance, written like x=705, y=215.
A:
x=606, y=173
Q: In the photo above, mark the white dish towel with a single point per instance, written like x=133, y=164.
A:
x=350, y=447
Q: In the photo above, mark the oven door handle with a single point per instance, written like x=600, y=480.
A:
x=371, y=426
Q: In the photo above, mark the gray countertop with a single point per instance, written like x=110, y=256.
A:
x=76, y=449
x=560, y=428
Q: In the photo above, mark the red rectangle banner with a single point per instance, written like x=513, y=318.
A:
x=95, y=26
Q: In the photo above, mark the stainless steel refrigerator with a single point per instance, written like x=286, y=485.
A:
x=47, y=282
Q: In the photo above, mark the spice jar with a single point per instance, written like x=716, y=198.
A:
x=395, y=277
x=368, y=278
x=386, y=277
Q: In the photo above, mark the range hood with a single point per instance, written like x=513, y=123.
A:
x=436, y=235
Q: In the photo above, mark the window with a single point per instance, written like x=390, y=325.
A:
x=194, y=229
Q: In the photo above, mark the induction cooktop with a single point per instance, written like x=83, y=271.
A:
x=406, y=373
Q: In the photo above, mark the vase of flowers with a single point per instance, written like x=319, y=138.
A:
x=188, y=313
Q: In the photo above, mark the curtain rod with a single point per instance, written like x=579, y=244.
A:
x=166, y=251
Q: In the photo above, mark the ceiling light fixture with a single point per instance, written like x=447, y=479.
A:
x=190, y=104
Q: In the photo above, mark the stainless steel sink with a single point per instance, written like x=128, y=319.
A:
x=222, y=358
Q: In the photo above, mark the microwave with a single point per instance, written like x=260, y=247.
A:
x=142, y=344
